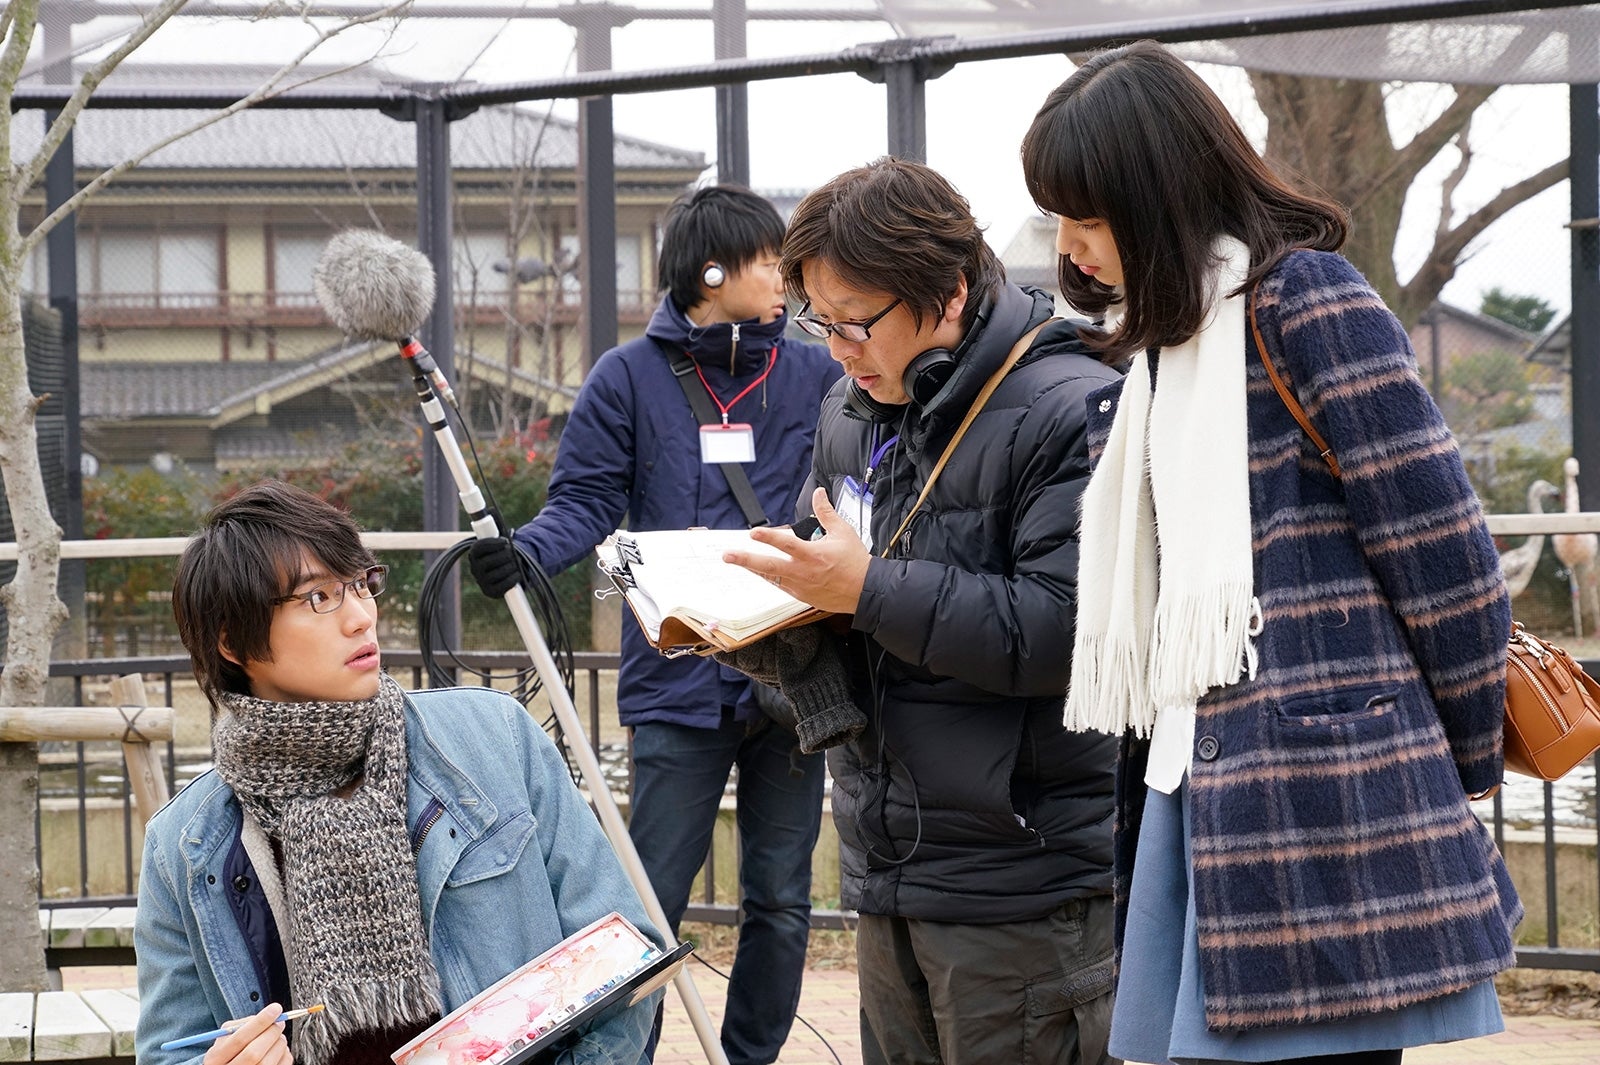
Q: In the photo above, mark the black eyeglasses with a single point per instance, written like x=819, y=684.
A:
x=855, y=332
x=326, y=598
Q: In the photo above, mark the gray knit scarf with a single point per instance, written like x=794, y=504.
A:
x=355, y=940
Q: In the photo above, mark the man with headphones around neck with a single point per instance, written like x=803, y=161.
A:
x=632, y=448
x=975, y=830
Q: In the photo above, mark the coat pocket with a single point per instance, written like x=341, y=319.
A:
x=1341, y=716
x=494, y=854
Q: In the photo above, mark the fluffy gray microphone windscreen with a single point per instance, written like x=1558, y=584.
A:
x=373, y=286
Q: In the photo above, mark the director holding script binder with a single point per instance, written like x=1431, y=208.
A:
x=975, y=830
x=712, y=391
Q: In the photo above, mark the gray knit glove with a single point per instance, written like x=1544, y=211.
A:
x=804, y=664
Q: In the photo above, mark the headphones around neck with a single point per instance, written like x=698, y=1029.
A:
x=924, y=378
x=714, y=276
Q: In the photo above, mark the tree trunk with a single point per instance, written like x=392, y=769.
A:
x=30, y=598
x=21, y=947
x=1332, y=135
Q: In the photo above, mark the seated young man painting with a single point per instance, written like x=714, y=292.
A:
x=386, y=854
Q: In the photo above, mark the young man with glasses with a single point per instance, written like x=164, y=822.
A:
x=975, y=830
x=713, y=381
x=384, y=854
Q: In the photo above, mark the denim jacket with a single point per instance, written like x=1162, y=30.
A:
x=511, y=861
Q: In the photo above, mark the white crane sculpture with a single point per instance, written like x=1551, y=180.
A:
x=1519, y=563
x=1577, y=552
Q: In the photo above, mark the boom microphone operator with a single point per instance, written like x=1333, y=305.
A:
x=376, y=288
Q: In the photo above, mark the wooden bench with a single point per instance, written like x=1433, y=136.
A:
x=94, y=1027
x=86, y=935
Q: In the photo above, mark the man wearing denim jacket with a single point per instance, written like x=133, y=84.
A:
x=387, y=854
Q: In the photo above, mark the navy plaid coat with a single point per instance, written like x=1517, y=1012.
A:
x=1337, y=867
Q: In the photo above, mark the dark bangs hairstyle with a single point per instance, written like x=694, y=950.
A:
x=724, y=224
x=249, y=551
x=897, y=227
x=1136, y=140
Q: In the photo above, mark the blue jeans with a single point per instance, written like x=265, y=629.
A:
x=678, y=780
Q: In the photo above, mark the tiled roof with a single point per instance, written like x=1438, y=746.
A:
x=490, y=138
x=260, y=444
x=124, y=391
x=118, y=391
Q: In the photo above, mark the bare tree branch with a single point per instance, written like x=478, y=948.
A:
x=266, y=91
x=1417, y=153
x=1448, y=247
x=57, y=133
x=22, y=16
x=6, y=19
x=1447, y=190
x=1420, y=150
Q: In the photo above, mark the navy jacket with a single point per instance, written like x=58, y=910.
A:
x=631, y=449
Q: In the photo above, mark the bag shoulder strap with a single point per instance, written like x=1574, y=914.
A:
x=1017, y=351
x=1288, y=397
x=705, y=414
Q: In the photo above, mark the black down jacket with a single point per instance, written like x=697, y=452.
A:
x=965, y=800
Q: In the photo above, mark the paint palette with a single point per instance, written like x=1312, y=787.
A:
x=532, y=1011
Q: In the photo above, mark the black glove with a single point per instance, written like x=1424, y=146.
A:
x=805, y=665
x=496, y=565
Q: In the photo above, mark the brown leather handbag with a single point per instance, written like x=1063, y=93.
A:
x=1552, y=705
x=1552, y=708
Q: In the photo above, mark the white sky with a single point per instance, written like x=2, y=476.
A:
x=803, y=131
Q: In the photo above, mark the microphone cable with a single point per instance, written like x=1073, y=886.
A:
x=820, y=1037
x=443, y=665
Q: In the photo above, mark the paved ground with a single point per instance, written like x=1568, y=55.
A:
x=829, y=1002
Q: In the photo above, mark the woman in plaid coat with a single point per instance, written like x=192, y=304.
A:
x=1304, y=653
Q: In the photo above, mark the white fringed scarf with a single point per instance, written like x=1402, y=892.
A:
x=1165, y=583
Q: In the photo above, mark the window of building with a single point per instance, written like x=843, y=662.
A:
x=294, y=256
x=170, y=267
x=125, y=264
x=631, y=288
x=630, y=269
x=474, y=273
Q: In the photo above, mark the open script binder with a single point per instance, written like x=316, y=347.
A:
x=687, y=600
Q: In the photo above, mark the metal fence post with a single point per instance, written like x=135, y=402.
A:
x=440, y=505
x=597, y=182
x=1585, y=351
x=728, y=18
x=904, y=69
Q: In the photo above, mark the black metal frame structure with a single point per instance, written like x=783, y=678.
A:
x=902, y=66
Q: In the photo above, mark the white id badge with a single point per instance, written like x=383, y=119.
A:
x=727, y=443
x=855, y=507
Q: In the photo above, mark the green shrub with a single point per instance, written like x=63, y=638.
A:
x=377, y=477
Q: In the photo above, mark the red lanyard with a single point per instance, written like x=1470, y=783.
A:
x=772, y=360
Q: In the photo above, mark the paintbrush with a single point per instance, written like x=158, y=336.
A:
x=229, y=1027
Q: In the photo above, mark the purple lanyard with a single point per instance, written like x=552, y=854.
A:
x=877, y=457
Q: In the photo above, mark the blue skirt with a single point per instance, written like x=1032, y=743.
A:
x=1159, y=1015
